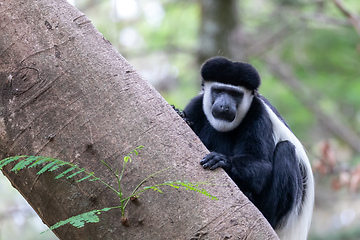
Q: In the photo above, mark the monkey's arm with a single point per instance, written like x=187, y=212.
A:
x=248, y=172
x=274, y=187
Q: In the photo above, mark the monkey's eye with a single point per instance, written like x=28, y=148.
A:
x=236, y=94
x=216, y=91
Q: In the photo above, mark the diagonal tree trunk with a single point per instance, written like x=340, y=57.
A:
x=67, y=93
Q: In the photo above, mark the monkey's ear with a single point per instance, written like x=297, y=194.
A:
x=202, y=86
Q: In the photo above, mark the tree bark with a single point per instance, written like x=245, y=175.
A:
x=68, y=94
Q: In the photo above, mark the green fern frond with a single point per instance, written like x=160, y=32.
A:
x=9, y=160
x=75, y=173
x=128, y=157
x=47, y=167
x=65, y=172
x=193, y=186
x=58, y=164
x=156, y=189
x=135, y=150
x=24, y=163
x=95, y=179
x=84, y=178
x=40, y=161
x=79, y=221
x=47, y=164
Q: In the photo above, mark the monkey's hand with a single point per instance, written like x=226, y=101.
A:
x=214, y=160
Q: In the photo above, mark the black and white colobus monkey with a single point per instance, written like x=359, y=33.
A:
x=249, y=139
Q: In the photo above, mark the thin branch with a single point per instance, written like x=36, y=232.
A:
x=309, y=99
x=352, y=17
x=139, y=185
x=322, y=18
x=266, y=41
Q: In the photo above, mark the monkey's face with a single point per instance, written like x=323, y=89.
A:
x=225, y=105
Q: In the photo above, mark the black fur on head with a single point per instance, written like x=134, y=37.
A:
x=220, y=69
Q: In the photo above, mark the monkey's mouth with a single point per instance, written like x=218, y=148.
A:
x=223, y=114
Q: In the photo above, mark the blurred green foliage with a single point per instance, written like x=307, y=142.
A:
x=348, y=234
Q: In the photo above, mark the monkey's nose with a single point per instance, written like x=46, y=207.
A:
x=223, y=112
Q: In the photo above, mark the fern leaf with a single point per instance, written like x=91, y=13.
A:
x=127, y=159
x=46, y=168
x=41, y=160
x=195, y=187
x=172, y=184
x=65, y=172
x=75, y=173
x=84, y=178
x=8, y=160
x=135, y=150
x=154, y=188
x=79, y=221
x=94, y=179
x=58, y=163
x=23, y=163
x=190, y=186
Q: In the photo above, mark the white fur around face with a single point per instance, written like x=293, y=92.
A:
x=242, y=109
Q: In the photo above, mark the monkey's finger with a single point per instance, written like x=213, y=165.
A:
x=218, y=164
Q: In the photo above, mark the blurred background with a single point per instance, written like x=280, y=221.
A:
x=307, y=53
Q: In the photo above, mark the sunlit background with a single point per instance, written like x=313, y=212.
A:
x=307, y=53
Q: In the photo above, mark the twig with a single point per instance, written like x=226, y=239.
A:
x=352, y=17
x=309, y=99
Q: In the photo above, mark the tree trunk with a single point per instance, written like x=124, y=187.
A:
x=219, y=29
x=68, y=94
